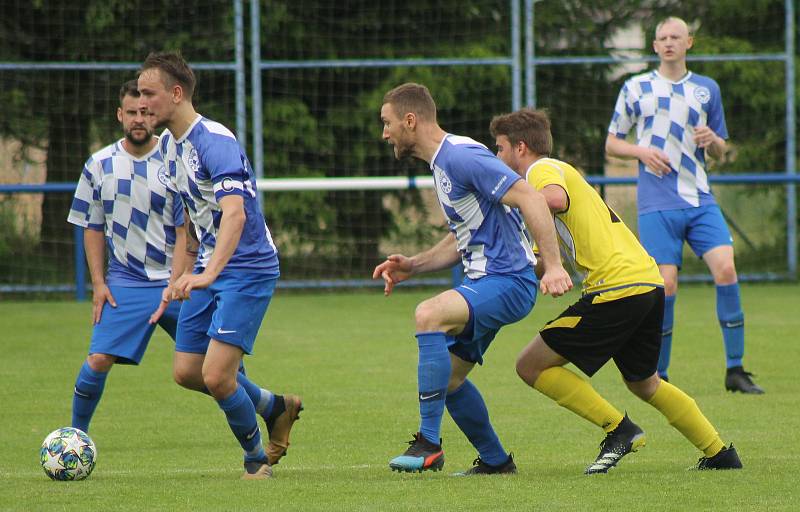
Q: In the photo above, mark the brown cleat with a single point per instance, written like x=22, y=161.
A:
x=280, y=426
x=257, y=470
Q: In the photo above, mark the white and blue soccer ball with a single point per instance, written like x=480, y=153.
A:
x=68, y=454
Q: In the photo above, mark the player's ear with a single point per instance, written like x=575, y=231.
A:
x=410, y=120
x=690, y=42
x=177, y=93
x=119, y=114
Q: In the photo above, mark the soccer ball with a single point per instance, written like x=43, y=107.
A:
x=68, y=454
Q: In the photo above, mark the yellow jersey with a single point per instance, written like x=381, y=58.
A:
x=595, y=244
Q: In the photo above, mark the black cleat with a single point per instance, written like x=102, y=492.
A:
x=727, y=458
x=736, y=379
x=626, y=438
x=421, y=456
x=481, y=468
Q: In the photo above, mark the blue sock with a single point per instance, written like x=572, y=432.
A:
x=666, y=335
x=261, y=398
x=433, y=374
x=731, y=319
x=468, y=410
x=88, y=390
x=241, y=415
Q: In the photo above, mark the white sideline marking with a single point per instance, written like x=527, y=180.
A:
x=190, y=471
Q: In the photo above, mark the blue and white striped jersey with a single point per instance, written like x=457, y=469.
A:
x=666, y=114
x=470, y=182
x=208, y=164
x=134, y=202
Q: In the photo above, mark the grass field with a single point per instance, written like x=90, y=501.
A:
x=352, y=356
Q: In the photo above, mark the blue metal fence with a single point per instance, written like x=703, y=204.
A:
x=79, y=287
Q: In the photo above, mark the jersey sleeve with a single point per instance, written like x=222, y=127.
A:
x=622, y=119
x=544, y=174
x=489, y=175
x=224, y=163
x=177, y=208
x=716, y=113
x=87, y=207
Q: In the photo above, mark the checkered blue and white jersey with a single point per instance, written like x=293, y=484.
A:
x=666, y=114
x=470, y=182
x=134, y=202
x=208, y=164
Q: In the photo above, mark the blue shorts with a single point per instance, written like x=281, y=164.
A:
x=123, y=331
x=662, y=233
x=230, y=310
x=494, y=301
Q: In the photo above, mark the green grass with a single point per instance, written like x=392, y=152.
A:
x=353, y=358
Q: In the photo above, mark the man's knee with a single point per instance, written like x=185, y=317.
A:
x=644, y=389
x=101, y=362
x=725, y=273
x=427, y=317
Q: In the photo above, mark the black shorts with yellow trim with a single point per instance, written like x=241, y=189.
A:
x=594, y=330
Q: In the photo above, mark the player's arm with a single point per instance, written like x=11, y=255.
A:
x=533, y=206
x=230, y=231
x=398, y=268
x=705, y=138
x=556, y=197
x=655, y=159
x=179, y=258
x=94, y=243
x=192, y=247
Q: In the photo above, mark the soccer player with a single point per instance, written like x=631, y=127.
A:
x=679, y=119
x=225, y=299
x=482, y=200
x=618, y=315
x=124, y=200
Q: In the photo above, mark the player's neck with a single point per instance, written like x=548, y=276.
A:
x=430, y=140
x=139, y=150
x=184, y=116
x=673, y=71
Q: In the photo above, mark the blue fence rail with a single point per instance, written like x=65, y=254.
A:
x=79, y=287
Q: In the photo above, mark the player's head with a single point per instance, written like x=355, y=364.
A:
x=134, y=119
x=522, y=133
x=405, y=108
x=165, y=82
x=672, y=39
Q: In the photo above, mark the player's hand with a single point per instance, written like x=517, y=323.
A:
x=100, y=295
x=656, y=161
x=397, y=268
x=704, y=136
x=188, y=282
x=166, y=297
x=555, y=282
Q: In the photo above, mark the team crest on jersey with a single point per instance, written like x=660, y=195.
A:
x=193, y=160
x=702, y=94
x=163, y=177
x=444, y=183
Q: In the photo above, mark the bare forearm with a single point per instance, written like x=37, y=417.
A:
x=717, y=148
x=94, y=243
x=621, y=148
x=441, y=256
x=179, y=253
x=228, y=235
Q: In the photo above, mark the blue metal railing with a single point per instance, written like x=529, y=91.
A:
x=383, y=183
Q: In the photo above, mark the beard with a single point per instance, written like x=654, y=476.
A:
x=139, y=140
x=403, y=151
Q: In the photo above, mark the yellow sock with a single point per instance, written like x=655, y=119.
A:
x=577, y=395
x=683, y=413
